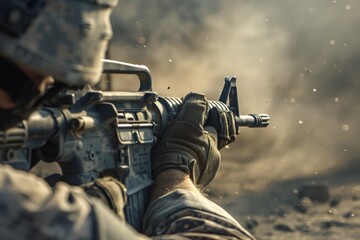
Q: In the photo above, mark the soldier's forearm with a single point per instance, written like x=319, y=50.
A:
x=177, y=205
x=170, y=180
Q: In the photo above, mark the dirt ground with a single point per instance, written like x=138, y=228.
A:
x=270, y=208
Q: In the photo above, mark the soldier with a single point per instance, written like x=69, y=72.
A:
x=62, y=42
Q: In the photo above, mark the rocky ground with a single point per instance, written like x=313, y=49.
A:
x=325, y=206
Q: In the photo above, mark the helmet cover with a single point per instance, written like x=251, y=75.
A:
x=65, y=39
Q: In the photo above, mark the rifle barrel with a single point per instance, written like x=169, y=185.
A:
x=253, y=120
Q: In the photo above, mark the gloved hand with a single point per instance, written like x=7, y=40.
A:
x=110, y=191
x=189, y=146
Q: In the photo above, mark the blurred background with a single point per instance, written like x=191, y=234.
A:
x=295, y=60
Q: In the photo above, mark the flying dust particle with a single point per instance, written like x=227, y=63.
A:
x=142, y=40
x=345, y=127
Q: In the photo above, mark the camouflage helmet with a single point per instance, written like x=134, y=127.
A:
x=65, y=39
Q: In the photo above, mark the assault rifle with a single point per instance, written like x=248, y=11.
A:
x=89, y=132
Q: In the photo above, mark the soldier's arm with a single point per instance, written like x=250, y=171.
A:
x=30, y=209
x=179, y=209
x=187, y=156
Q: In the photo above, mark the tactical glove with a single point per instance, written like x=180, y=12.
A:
x=187, y=146
x=110, y=191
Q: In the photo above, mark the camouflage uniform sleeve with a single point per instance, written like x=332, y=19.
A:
x=30, y=209
x=189, y=215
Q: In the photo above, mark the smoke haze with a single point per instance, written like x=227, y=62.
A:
x=295, y=60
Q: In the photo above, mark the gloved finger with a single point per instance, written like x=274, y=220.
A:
x=193, y=110
x=211, y=166
x=224, y=123
x=228, y=131
x=110, y=191
x=212, y=132
x=232, y=126
x=213, y=118
x=224, y=133
x=113, y=188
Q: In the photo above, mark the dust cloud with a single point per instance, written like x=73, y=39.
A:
x=295, y=60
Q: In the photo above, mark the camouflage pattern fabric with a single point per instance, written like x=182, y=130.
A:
x=189, y=215
x=30, y=209
x=65, y=39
